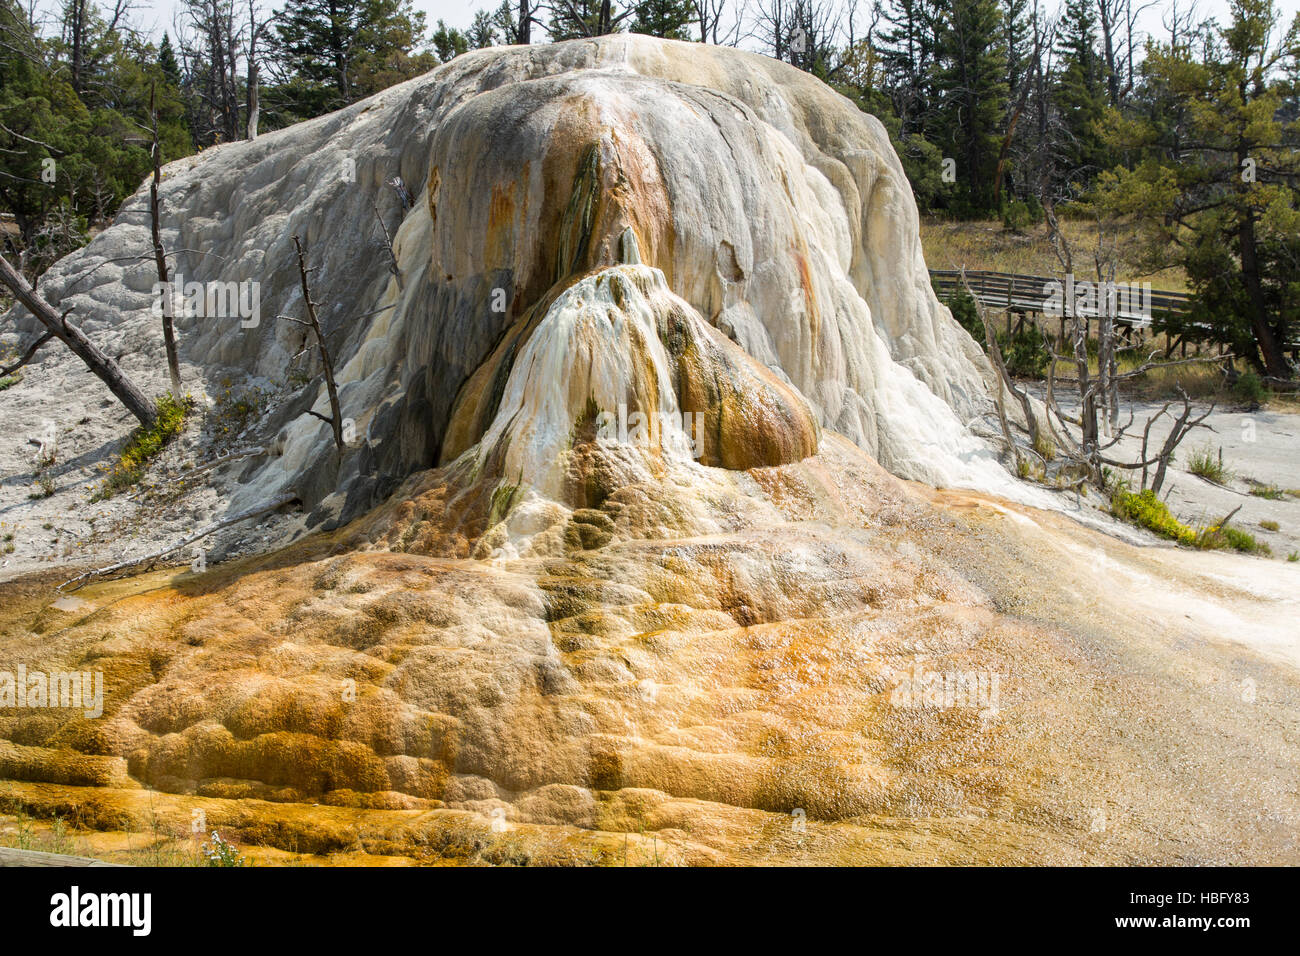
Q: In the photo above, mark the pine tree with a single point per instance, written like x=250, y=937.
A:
x=167, y=61
x=664, y=18
x=68, y=162
x=1219, y=191
x=448, y=42
x=586, y=18
x=1016, y=36
x=339, y=51
x=482, y=32
x=1081, y=92
x=971, y=77
x=907, y=56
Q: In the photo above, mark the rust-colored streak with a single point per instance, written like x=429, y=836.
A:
x=435, y=180
x=809, y=297
x=497, y=245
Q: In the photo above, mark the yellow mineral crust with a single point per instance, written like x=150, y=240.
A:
x=679, y=693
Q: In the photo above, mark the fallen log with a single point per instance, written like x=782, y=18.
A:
x=107, y=370
x=218, y=462
x=82, y=579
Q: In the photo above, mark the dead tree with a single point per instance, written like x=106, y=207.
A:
x=252, y=83
x=57, y=325
x=1183, y=424
x=388, y=245
x=1006, y=383
x=1097, y=394
x=160, y=259
x=1091, y=456
x=154, y=557
x=335, y=418
x=26, y=356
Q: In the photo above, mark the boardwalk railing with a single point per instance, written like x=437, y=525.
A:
x=1026, y=295
x=1030, y=295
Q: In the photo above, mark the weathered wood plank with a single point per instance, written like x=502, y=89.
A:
x=12, y=857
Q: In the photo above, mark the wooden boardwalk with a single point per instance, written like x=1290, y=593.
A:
x=1026, y=295
x=12, y=857
x=1030, y=295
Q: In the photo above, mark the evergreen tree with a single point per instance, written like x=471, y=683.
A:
x=340, y=51
x=585, y=18
x=907, y=56
x=664, y=18
x=1016, y=36
x=483, y=31
x=167, y=62
x=971, y=76
x=1219, y=194
x=67, y=162
x=448, y=42
x=1080, y=93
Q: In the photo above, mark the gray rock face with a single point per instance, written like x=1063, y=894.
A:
x=772, y=207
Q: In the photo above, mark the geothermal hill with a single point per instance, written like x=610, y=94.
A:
x=621, y=566
x=764, y=209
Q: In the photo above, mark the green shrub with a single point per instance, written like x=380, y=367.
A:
x=1017, y=216
x=963, y=308
x=1269, y=525
x=44, y=488
x=234, y=410
x=1249, y=388
x=1229, y=537
x=1025, y=353
x=1204, y=461
x=144, y=445
x=1272, y=492
x=1147, y=511
x=218, y=852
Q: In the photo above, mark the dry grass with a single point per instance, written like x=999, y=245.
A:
x=986, y=245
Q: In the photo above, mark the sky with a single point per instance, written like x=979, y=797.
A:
x=154, y=16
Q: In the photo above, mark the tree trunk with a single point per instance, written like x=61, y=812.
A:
x=1107, y=17
x=253, y=108
x=1270, y=349
x=160, y=259
x=108, y=371
x=78, y=14
x=251, y=90
x=336, y=413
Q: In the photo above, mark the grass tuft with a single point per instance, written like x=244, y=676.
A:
x=1271, y=492
x=144, y=445
x=1206, y=463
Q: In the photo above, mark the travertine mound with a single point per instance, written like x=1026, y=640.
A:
x=611, y=574
x=772, y=210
